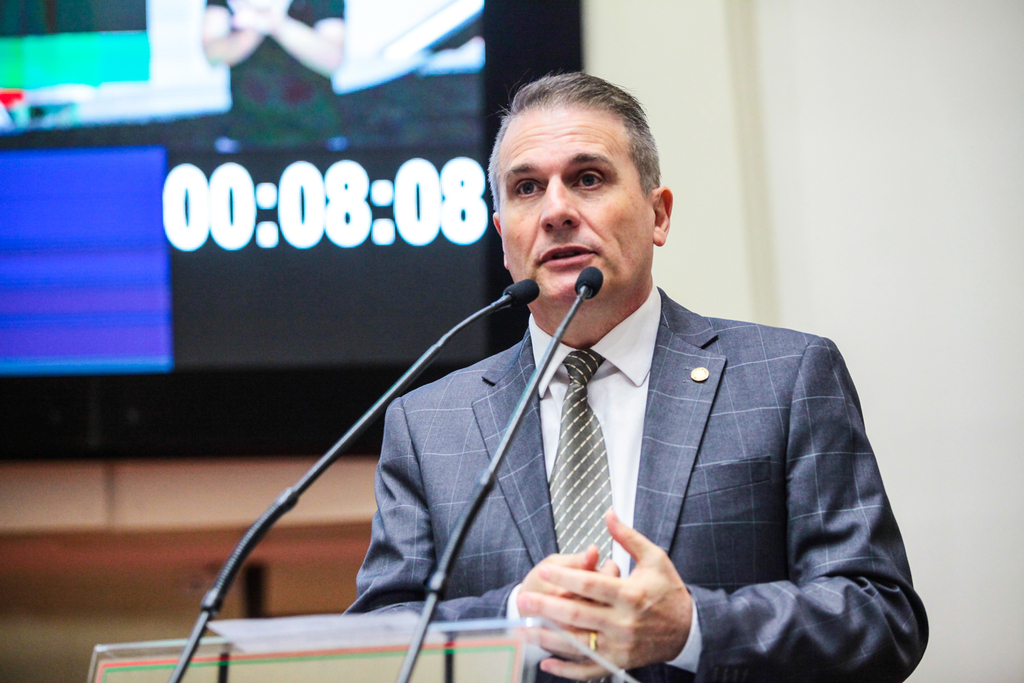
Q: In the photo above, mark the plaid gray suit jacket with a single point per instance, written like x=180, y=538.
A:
x=759, y=483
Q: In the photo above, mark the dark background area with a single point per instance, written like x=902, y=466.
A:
x=275, y=412
x=42, y=17
x=276, y=308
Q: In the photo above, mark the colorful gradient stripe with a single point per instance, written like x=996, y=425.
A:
x=29, y=62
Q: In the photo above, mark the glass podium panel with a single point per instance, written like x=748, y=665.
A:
x=354, y=649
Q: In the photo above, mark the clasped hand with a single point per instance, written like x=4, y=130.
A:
x=642, y=619
x=262, y=16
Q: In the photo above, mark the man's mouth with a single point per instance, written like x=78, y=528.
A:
x=564, y=253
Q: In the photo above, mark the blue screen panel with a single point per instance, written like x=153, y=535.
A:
x=85, y=283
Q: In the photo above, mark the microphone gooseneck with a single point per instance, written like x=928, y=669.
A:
x=522, y=292
x=587, y=285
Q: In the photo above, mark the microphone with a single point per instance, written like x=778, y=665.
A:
x=525, y=291
x=518, y=294
x=588, y=284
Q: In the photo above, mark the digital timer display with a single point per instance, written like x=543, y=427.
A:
x=286, y=258
x=335, y=204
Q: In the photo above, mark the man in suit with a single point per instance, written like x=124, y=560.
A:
x=749, y=535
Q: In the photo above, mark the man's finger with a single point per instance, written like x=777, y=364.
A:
x=594, y=586
x=555, y=642
x=574, y=670
x=539, y=586
x=570, y=613
x=635, y=543
x=585, y=561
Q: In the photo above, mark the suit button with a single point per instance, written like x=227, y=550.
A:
x=699, y=374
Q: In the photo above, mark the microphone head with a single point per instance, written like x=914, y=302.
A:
x=591, y=278
x=522, y=292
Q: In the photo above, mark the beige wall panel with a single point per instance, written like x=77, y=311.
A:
x=674, y=56
x=173, y=494
x=311, y=588
x=46, y=496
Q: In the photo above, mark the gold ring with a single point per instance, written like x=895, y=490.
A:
x=593, y=641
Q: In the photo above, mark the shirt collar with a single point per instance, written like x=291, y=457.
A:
x=629, y=346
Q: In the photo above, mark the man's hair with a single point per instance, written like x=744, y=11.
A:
x=583, y=91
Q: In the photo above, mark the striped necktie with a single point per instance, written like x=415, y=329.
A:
x=580, y=484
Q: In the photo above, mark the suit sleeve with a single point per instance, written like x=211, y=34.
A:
x=848, y=611
x=402, y=553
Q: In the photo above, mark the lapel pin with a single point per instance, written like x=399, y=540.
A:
x=699, y=374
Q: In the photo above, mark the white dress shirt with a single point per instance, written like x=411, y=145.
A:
x=618, y=395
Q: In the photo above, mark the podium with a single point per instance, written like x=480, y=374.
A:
x=349, y=648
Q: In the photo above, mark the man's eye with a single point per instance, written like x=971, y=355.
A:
x=589, y=180
x=527, y=187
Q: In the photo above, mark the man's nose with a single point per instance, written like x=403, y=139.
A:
x=560, y=210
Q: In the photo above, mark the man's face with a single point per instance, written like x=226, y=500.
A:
x=571, y=198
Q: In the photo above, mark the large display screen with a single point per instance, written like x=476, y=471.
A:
x=190, y=185
x=228, y=227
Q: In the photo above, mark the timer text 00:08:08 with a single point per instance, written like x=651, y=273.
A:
x=310, y=205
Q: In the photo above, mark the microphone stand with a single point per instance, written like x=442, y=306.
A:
x=522, y=292
x=587, y=285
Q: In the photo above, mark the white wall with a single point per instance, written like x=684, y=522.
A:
x=893, y=174
x=673, y=55
x=895, y=147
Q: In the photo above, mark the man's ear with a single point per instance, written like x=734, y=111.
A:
x=497, y=226
x=662, y=203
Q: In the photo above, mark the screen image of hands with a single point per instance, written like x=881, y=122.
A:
x=231, y=34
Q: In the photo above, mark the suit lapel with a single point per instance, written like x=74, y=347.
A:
x=677, y=413
x=522, y=476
